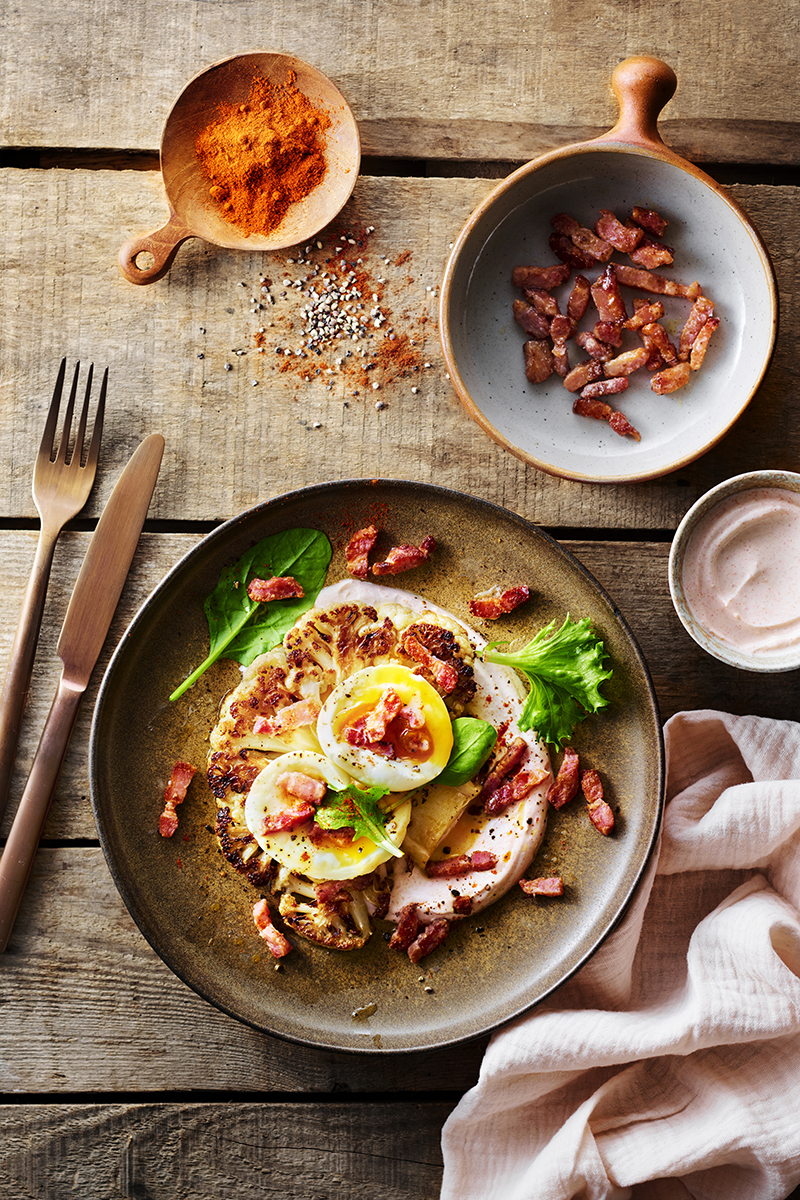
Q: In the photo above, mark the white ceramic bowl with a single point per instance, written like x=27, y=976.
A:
x=715, y=244
x=719, y=647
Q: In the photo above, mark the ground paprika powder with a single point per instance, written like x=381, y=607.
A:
x=262, y=156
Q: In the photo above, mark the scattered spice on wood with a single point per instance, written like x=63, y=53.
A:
x=262, y=156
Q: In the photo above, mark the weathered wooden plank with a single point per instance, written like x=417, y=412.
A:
x=634, y=574
x=231, y=444
x=202, y=1151
x=93, y=1009
x=511, y=80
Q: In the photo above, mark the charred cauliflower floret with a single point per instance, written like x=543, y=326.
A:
x=339, y=921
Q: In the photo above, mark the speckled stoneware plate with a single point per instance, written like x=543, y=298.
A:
x=715, y=244
x=196, y=912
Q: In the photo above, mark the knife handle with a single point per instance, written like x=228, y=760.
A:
x=26, y=829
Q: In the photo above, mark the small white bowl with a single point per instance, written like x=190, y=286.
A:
x=773, y=660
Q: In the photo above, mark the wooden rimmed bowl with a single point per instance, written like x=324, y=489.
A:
x=715, y=243
x=193, y=213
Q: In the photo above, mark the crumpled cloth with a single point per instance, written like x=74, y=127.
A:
x=668, y=1067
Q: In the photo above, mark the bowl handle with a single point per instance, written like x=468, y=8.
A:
x=162, y=245
x=642, y=86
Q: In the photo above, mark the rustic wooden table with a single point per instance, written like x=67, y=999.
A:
x=118, y=1080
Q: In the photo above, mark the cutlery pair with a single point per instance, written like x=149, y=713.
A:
x=61, y=486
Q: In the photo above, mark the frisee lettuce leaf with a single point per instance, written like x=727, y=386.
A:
x=565, y=670
x=357, y=808
x=241, y=628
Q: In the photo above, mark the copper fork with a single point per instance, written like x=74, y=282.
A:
x=61, y=487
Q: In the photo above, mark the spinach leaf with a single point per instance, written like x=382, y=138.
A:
x=241, y=628
x=357, y=808
x=473, y=742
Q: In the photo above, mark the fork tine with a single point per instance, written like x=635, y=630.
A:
x=49, y=434
x=97, y=433
x=77, y=449
x=61, y=456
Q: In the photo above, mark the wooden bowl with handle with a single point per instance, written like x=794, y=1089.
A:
x=192, y=211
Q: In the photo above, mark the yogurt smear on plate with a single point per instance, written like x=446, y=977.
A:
x=741, y=571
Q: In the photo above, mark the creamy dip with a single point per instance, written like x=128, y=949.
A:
x=741, y=571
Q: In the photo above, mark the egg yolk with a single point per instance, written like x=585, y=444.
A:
x=386, y=726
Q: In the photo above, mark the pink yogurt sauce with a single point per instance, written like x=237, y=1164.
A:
x=741, y=571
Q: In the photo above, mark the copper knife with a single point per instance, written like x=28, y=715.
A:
x=89, y=615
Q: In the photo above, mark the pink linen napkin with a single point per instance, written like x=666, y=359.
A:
x=669, y=1066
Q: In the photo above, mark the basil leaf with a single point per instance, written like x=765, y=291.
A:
x=357, y=808
x=241, y=628
x=473, y=742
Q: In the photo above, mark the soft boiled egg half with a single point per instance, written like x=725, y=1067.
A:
x=386, y=726
x=325, y=858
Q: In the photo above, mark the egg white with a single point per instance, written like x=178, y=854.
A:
x=292, y=848
x=356, y=696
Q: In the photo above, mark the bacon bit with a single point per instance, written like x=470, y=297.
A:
x=539, y=363
x=626, y=363
x=404, y=558
x=700, y=312
x=461, y=864
x=287, y=818
x=293, y=716
x=595, y=347
x=357, y=551
x=654, y=360
x=565, y=785
x=406, y=929
x=579, y=298
x=649, y=219
x=279, y=587
x=179, y=780
x=330, y=889
x=545, y=278
x=652, y=254
x=622, y=237
x=553, y=886
x=570, y=254
x=497, y=601
x=301, y=786
x=649, y=281
x=588, y=406
x=560, y=355
x=508, y=761
x=380, y=718
x=445, y=674
x=533, y=322
x=431, y=936
x=608, y=298
x=609, y=332
x=661, y=341
x=277, y=943
x=621, y=425
x=700, y=344
x=645, y=313
x=584, y=373
x=544, y=302
x=671, y=379
x=583, y=238
x=514, y=790
x=463, y=906
x=600, y=814
x=604, y=387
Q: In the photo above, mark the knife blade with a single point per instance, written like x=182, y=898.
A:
x=89, y=614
